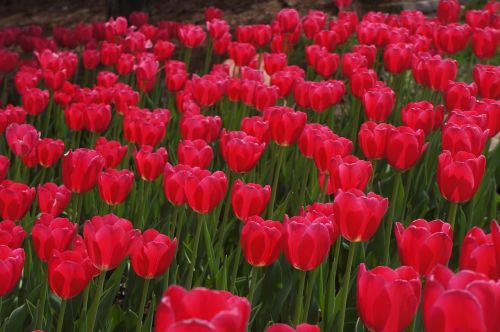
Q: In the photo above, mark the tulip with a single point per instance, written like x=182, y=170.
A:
x=313, y=22
x=51, y=233
x=458, y=95
x=467, y=137
x=448, y=11
x=207, y=90
x=240, y=151
x=150, y=163
x=459, y=176
x=174, y=182
x=49, y=151
x=311, y=136
x=198, y=126
x=304, y=327
x=488, y=80
x=397, y=57
x=422, y=115
x=195, y=153
x=11, y=267
x=423, y=245
x=307, y=239
x=191, y=35
x=144, y=128
x=205, y=190
x=378, y=103
x=399, y=289
x=459, y=302
x=478, y=18
x=477, y=253
x=11, y=235
x=349, y=172
x=351, y=62
x=108, y=240
x=261, y=241
x=258, y=127
x=53, y=199
x=362, y=79
x=21, y=138
x=180, y=309
x=358, y=224
x=286, y=124
x=112, y=151
x=35, y=100
x=372, y=139
x=4, y=166
x=288, y=19
x=485, y=42
x=80, y=168
x=249, y=199
x=407, y=146
x=452, y=38
x=328, y=148
x=69, y=273
x=15, y=199
x=241, y=53
x=368, y=51
x=152, y=253
x=115, y=185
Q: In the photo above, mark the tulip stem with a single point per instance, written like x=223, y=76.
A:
x=452, y=214
x=194, y=253
x=85, y=301
x=330, y=295
x=300, y=297
x=187, y=57
x=277, y=169
x=144, y=297
x=95, y=303
x=345, y=286
x=310, y=286
x=41, y=312
x=390, y=216
x=253, y=283
x=60, y=320
x=355, y=121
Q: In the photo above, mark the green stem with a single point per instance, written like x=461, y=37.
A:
x=355, y=121
x=310, y=287
x=236, y=266
x=95, y=304
x=85, y=301
x=300, y=297
x=452, y=214
x=187, y=57
x=143, y=303
x=41, y=307
x=390, y=216
x=60, y=320
x=277, y=169
x=254, y=280
x=328, y=312
x=194, y=254
x=345, y=286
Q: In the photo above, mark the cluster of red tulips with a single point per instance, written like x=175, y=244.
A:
x=138, y=195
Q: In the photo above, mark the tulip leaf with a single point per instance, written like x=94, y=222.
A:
x=17, y=319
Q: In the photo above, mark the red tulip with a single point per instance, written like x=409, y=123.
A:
x=212, y=13
x=163, y=50
x=311, y=136
x=307, y=239
x=249, y=199
x=91, y=58
x=362, y=79
x=458, y=95
x=487, y=78
x=240, y=151
x=110, y=53
x=397, y=57
x=201, y=309
x=11, y=235
x=112, y=151
x=349, y=173
x=15, y=199
x=4, y=166
x=241, y=53
x=423, y=245
x=195, y=153
x=477, y=253
x=35, y=100
x=452, y=38
x=49, y=151
x=407, y=146
x=490, y=108
x=485, y=42
x=324, y=94
x=53, y=199
x=150, y=163
x=207, y=90
x=174, y=182
x=448, y=11
x=115, y=185
x=466, y=137
x=108, y=240
x=378, y=102
x=261, y=241
x=358, y=215
x=459, y=176
x=152, y=253
x=398, y=289
x=125, y=64
x=197, y=126
x=80, y=168
x=205, y=190
x=313, y=22
x=288, y=20
x=352, y=62
x=422, y=115
x=258, y=127
x=286, y=124
x=478, y=18
x=51, y=233
x=465, y=301
x=11, y=267
x=328, y=148
x=21, y=138
x=368, y=51
x=372, y=139
x=191, y=35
